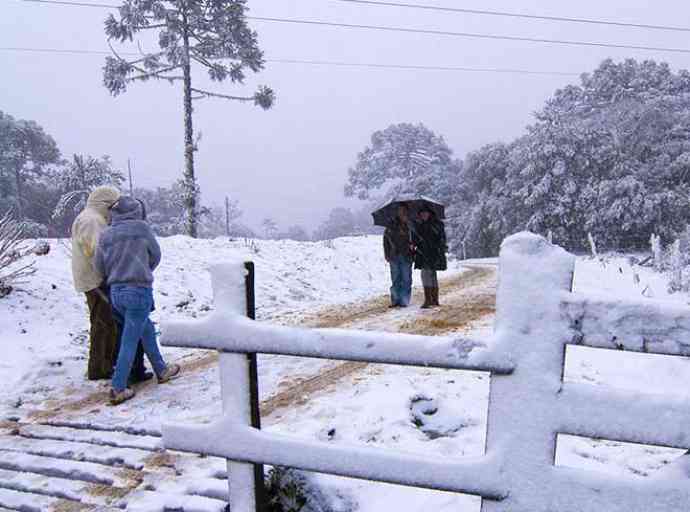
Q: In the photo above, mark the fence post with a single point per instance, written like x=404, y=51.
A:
x=240, y=395
x=259, y=490
x=530, y=326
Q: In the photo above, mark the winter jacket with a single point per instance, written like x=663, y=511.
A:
x=430, y=243
x=397, y=241
x=128, y=252
x=86, y=230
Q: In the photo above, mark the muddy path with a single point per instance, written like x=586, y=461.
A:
x=466, y=299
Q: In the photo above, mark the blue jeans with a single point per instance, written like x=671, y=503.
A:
x=134, y=304
x=401, y=276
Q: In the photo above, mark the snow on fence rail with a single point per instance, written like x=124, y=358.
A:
x=537, y=318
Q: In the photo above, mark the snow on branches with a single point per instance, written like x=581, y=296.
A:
x=403, y=159
x=209, y=34
x=12, y=251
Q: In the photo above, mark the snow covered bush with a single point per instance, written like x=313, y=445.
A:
x=31, y=229
x=290, y=490
x=607, y=156
x=12, y=251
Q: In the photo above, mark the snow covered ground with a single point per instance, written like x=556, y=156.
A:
x=44, y=329
x=442, y=413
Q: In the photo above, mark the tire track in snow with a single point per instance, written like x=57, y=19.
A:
x=467, y=297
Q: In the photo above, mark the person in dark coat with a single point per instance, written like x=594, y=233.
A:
x=429, y=237
x=397, y=248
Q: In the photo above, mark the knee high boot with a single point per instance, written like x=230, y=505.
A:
x=428, y=298
x=434, y=297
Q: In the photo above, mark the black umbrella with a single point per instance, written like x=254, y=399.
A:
x=386, y=214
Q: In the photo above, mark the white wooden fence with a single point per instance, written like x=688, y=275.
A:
x=537, y=318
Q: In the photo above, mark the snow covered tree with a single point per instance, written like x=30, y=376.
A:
x=76, y=180
x=216, y=221
x=270, y=228
x=211, y=35
x=340, y=222
x=239, y=230
x=610, y=157
x=297, y=233
x=403, y=159
x=26, y=153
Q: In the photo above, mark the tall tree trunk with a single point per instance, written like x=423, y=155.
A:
x=190, y=189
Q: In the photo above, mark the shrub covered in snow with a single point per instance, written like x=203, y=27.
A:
x=12, y=251
x=290, y=490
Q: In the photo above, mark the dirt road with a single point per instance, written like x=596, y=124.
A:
x=467, y=298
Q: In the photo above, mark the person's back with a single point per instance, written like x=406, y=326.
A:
x=127, y=255
x=430, y=242
x=128, y=252
x=86, y=230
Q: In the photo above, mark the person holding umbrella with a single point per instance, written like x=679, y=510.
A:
x=399, y=253
x=400, y=244
x=429, y=238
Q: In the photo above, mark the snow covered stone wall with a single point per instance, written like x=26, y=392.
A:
x=537, y=318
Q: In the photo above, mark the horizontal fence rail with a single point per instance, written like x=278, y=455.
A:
x=477, y=476
x=239, y=335
x=651, y=327
x=537, y=318
x=632, y=417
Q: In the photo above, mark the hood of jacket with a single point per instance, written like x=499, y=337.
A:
x=127, y=208
x=101, y=199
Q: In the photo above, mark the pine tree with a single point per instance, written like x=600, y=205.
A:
x=403, y=159
x=209, y=34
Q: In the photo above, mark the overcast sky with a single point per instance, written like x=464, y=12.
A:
x=290, y=163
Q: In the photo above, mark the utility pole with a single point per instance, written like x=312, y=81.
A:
x=227, y=216
x=129, y=170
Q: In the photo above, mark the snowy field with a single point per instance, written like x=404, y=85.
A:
x=44, y=336
x=44, y=328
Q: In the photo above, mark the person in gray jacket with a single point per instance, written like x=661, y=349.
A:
x=127, y=254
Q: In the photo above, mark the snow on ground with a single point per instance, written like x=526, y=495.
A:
x=45, y=324
x=615, y=277
x=436, y=412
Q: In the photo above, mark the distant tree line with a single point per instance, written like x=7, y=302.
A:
x=46, y=191
x=609, y=156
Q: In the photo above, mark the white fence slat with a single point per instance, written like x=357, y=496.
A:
x=241, y=335
x=234, y=378
x=230, y=298
x=633, y=417
x=232, y=440
x=532, y=276
x=633, y=325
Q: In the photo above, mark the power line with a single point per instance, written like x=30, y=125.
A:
x=410, y=67
x=565, y=19
x=470, y=35
x=588, y=21
x=75, y=4
x=422, y=67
